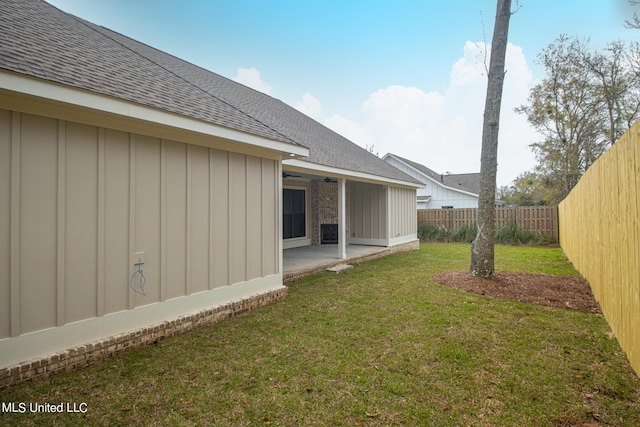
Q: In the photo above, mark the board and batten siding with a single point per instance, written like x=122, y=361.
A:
x=403, y=215
x=77, y=201
x=382, y=215
x=439, y=195
x=368, y=214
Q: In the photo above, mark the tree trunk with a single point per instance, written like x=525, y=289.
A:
x=482, y=254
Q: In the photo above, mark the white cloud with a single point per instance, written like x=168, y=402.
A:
x=402, y=107
x=472, y=67
x=251, y=77
x=444, y=130
x=349, y=129
x=310, y=105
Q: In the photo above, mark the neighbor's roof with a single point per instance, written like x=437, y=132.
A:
x=39, y=40
x=469, y=182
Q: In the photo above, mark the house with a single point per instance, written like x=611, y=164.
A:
x=440, y=190
x=141, y=194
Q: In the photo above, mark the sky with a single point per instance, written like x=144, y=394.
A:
x=404, y=76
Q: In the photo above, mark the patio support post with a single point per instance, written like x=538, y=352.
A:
x=342, y=219
x=387, y=192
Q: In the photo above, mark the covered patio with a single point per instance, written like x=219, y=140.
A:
x=306, y=260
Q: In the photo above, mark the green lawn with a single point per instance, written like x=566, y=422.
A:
x=377, y=345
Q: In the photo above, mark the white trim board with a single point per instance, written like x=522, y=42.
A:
x=297, y=165
x=48, y=341
x=56, y=94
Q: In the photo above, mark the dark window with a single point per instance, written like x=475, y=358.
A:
x=293, y=209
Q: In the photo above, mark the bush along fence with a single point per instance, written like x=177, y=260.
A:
x=600, y=234
x=514, y=225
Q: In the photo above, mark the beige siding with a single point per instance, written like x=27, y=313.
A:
x=220, y=222
x=116, y=219
x=145, y=215
x=238, y=218
x=368, y=212
x=5, y=222
x=76, y=201
x=175, y=225
x=199, y=224
x=36, y=146
x=403, y=215
x=80, y=221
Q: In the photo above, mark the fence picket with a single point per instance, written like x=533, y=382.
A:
x=600, y=233
x=536, y=219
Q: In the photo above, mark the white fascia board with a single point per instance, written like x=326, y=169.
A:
x=435, y=181
x=51, y=91
x=297, y=165
x=409, y=166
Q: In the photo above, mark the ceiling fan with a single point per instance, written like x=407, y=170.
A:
x=288, y=175
x=327, y=179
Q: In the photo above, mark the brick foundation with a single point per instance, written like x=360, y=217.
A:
x=90, y=353
x=93, y=352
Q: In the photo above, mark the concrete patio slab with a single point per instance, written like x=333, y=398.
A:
x=306, y=260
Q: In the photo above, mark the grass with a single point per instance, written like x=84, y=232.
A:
x=377, y=345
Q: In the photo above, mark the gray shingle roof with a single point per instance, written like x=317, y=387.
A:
x=469, y=182
x=41, y=41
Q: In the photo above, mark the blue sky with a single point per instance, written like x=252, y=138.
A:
x=403, y=75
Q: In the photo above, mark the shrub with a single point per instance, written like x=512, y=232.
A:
x=464, y=234
x=513, y=234
x=431, y=233
x=510, y=234
x=438, y=233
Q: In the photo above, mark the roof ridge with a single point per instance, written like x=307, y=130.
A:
x=92, y=27
x=60, y=47
x=450, y=180
x=414, y=164
x=202, y=69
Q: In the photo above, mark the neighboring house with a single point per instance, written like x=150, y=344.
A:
x=440, y=190
x=118, y=161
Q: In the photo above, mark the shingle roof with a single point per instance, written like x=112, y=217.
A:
x=41, y=41
x=465, y=181
x=469, y=182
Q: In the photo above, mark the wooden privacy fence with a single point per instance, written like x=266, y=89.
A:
x=600, y=233
x=535, y=219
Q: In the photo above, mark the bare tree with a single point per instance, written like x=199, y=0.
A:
x=566, y=109
x=634, y=22
x=482, y=249
x=618, y=85
x=587, y=100
x=372, y=149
